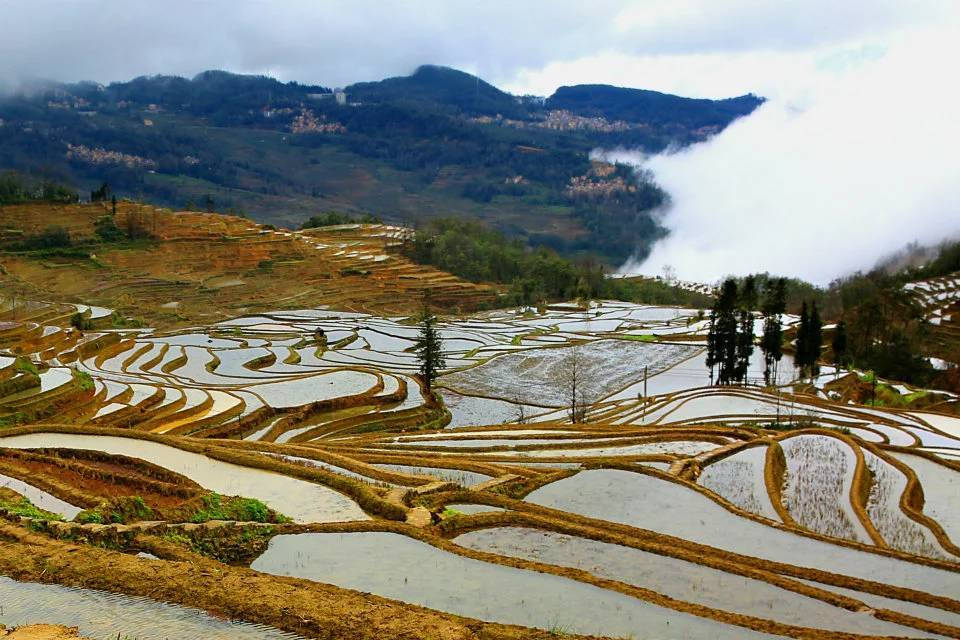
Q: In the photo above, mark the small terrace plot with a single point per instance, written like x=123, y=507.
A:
x=539, y=375
x=818, y=486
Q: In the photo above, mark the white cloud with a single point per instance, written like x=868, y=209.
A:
x=337, y=42
x=848, y=163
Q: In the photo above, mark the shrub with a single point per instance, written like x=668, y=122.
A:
x=84, y=380
x=107, y=230
x=80, y=321
x=24, y=365
x=49, y=238
x=88, y=516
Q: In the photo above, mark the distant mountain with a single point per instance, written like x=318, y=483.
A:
x=650, y=107
x=440, y=85
x=438, y=142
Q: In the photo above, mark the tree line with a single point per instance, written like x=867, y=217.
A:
x=17, y=189
x=731, y=338
x=535, y=276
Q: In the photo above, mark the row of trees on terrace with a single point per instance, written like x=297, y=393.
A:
x=731, y=337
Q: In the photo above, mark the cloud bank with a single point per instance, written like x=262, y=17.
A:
x=850, y=163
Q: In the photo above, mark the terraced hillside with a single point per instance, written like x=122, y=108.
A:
x=197, y=267
x=939, y=299
x=293, y=456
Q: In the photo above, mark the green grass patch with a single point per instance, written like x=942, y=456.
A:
x=451, y=513
x=83, y=379
x=23, y=365
x=23, y=507
x=646, y=337
x=217, y=507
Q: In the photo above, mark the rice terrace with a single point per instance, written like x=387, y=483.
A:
x=238, y=442
x=439, y=320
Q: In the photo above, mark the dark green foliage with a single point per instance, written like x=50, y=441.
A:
x=747, y=302
x=84, y=380
x=722, y=339
x=101, y=194
x=809, y=341
x=479, y=254
x=440, y=85
x=20, y=506
x=429, y=348
x=884, y=329
x=89, y=516
x=81, y=321
x=107, y=230
x=216, y=507
x=16, y=189
x=839, y=344
x=946, y=262
x=24, y=365
x=333, y=218
x=49, y=238
x=639, y=105
x=774, y=306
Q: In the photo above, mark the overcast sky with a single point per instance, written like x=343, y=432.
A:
x=852, y=156
x=699, y=47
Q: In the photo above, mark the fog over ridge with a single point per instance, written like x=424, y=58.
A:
x=822, y=180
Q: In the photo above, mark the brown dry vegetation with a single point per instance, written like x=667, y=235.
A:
x=42, y=632
x=217, y=266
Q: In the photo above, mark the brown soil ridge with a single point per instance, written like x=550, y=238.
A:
x=43, y=632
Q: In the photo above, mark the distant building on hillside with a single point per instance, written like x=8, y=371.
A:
x=340, y=96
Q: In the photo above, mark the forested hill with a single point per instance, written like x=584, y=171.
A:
x=651, y=107
x=439, y=142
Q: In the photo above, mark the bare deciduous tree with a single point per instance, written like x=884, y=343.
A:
x=576, y=387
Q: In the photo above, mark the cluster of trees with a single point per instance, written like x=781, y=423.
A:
x=730, y=340
x=16, y=189
x=879, y=326
x=477, y=253
x=809, y=341
x=884, y=331
x=332, y=218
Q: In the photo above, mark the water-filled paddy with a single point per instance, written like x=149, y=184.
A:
x=675, y=578
x=100, y=614
x=41, y=498
x=301, y=500
x=398, y=567
x=651, y=503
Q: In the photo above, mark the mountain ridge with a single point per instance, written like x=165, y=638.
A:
x=438, y=142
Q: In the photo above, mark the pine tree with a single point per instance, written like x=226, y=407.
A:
x=809, y=341
x=429, y=348
x=747, y=302
x=774, y=306
x=722, y=339
x=803, y=339
x=815, y=342
x=839, y=345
